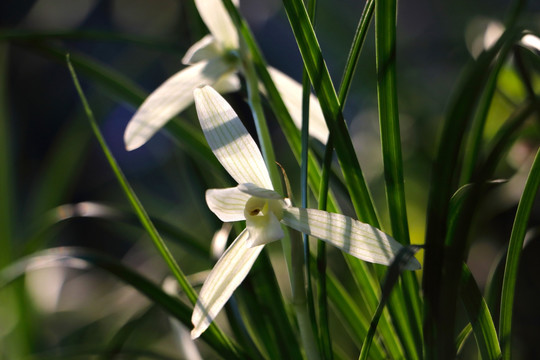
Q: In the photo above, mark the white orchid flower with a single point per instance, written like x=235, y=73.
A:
x=264, y=210
x=212, y=61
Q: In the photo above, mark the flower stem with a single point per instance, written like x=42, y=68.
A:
x=290, y=246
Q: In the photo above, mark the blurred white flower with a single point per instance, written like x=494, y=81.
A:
x=483, y=33
x=213, y=60
x=264, y=210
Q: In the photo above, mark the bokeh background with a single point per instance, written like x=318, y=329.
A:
x=55, y=159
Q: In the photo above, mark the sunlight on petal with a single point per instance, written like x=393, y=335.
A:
x=226, y=276
x=351, y=236
x=203, y=49
x=218, y=21
x=254, y=190
x=228, y=204
x=291, y=93
x=229, y=140
x=173, y=96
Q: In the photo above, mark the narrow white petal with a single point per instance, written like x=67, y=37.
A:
x=171, y=97
x=219, y=240
x=291, y=93
x=218, y=21
x=351, y=236
x=225, y=277
x=229, y=140
x=228, y=204
x=254, y=190
x=204, y=49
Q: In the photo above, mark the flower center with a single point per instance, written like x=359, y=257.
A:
x=254, y=212
x=262, y=220
x=259, y=207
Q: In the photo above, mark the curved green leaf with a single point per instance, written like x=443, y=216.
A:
x=479, y=317
x=439, y=323
x=514, y=254
x=405, y=255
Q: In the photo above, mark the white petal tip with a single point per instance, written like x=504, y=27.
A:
x=195, y=334
x=133, y=144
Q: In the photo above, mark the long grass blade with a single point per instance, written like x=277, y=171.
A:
x=141, y=213
x=479, y=317
x=267, y=289
x=407, y=322
x=133, y=199
x=353, y=320
x=462, y=337
x=474, y=143
x=320, y=79
x=348, y=73
x=390, y=280
x=517, y=238
x=356, y=47
x=324, y=350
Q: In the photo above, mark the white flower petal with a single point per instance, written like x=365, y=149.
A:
x=225, y=277
x=227, y=84
x=218, y=21
x=254, y=190
x=351, y=236
x=291, y=93
x=171, y=97
x=531, y=41
x=219, y=240
x=204, y=49
x=229, y=140
x=228, y=204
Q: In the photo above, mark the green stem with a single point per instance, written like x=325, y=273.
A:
x=356, y=48
x=304, y=200
x=292, y=246
x=406, y=318
x=348, y=73
x=306, y=92
x=322, y=299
